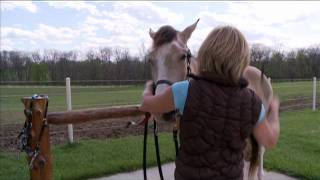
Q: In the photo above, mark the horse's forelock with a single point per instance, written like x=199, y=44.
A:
x=164, y=35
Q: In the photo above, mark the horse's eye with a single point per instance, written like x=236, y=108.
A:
x=183, y=57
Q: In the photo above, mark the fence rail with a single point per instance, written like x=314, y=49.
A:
x=80, y=116
x=76, y=82
x=107, y=82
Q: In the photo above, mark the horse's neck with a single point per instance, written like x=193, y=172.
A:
x=262, y=87
x=194, y=65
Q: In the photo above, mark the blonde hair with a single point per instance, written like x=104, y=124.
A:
x=224, y=53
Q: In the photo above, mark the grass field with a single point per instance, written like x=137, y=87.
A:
x=298, y=149
x=296, y=154
x=92, y=158
x=11, y=107
x=82, y=97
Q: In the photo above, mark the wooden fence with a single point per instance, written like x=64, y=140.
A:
x=40, y=142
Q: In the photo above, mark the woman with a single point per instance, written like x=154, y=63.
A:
x=217, y=111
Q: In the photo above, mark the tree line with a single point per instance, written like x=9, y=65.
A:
x=53, y=65
x=118, y=64
x=303, y=63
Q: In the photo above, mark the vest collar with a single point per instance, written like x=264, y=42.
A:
x=222, y=81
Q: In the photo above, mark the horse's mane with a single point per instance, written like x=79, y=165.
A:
x=164, y=35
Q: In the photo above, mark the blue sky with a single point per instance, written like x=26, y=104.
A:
x=83, y=25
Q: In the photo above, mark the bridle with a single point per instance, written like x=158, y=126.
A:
x=155, y=125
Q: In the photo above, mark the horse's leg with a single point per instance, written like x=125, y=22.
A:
x=260, y=170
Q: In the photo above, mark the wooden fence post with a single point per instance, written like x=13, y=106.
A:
x=42, y=165
x=69, y=108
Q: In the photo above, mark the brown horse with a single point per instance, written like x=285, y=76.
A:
x=167, y=58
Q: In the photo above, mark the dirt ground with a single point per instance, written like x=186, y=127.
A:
x=109, y=128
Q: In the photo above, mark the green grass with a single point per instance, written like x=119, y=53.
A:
x=93, y=158
x=290, y=90
x=298, y=149
x=297, y=153
x=11, y=108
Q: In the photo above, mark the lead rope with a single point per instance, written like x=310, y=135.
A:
x=156, y=142
x=145, y=136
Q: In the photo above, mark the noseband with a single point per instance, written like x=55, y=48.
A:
x=159, y=82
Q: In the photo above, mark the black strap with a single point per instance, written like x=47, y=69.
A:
x=144, y=163
x=155, y=133
x=189, y=55
x=163, y=81
x=175, y=140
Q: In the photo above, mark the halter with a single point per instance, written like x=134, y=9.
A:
x=155, y=126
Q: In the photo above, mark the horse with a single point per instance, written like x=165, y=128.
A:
x=169, y=62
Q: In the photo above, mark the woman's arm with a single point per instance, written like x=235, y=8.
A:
x=159, y=103
x=267, y=132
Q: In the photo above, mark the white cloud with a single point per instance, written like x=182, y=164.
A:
x=56, y=33
x=126, y=24
x=17, y=33
x=146, y=12
x=6, y=44
x=10, y=5
x=44, y=33
x=77, y=5
x=289, y=23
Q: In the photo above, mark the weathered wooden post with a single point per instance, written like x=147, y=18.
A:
x=39, y=157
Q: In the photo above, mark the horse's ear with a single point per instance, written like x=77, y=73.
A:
x=151, y=33
x=186, y=33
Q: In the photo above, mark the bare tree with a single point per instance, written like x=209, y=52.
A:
x=105, y=54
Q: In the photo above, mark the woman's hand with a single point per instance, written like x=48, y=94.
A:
x=273, y=110
x=159, y=103
x=267, y=132
x=148, y=90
